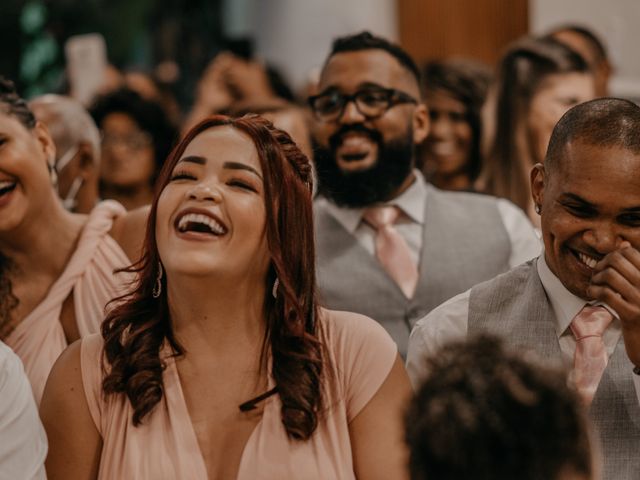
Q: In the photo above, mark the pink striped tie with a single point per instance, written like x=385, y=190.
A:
x=391, y=249
x=591, y=356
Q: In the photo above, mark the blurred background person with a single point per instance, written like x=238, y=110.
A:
x=488, y=413
x=537, y=81
x=455, y=91
x=136, y=138
x=77, y=142
x=285, y=115
x=592, y=49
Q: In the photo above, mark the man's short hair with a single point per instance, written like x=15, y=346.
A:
x=367, y=41
x=484, y=412
x=606, y=122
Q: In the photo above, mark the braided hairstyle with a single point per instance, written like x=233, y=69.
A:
x=138, y=325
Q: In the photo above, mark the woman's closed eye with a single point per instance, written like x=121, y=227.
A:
x=182, y=175
x=243, y=184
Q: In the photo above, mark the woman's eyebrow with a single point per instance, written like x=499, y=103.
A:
x=241, y=166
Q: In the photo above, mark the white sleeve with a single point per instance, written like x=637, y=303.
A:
x=447, y=322
x=23, y=442
x=525, y=243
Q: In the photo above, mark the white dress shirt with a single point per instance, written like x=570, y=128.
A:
x=23, y=443
x=450, y=321
x=525, y=244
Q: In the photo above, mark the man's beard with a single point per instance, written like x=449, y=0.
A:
x=375, y=184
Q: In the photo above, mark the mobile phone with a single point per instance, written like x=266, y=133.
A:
x=86, y=57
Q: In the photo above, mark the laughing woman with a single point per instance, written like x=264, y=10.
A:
x=220, y=364
x=55, y=267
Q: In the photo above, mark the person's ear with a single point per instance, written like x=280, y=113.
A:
x=86, y=160
x=420, y=123
x=538, y=182
x=47, y=146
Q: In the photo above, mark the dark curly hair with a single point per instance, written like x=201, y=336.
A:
x=10, y=104
x=136, y=328
x=148, y=114
x=486, y=413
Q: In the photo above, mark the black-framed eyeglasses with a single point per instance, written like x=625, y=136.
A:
x=370, y=102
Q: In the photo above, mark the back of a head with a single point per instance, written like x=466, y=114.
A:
x=68, y=121
x=485, y=413
x=595, y=44
x=367, y=41
x=606, y=122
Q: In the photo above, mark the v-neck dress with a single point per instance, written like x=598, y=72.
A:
x=39, y=339
x=165, y=446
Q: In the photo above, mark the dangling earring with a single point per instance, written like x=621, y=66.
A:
x=157, y=288
x=538, y=209
x=274, y=290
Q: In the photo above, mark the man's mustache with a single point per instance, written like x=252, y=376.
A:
x=336, y=139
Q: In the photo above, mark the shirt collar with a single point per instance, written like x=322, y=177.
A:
x=411, y=202
x=565, y=304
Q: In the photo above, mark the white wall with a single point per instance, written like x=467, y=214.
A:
x=615, y=21
x=295, y=35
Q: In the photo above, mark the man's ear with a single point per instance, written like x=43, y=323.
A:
x=538, y=182
x=420, y=123
x=87, y=162
x=46, y=143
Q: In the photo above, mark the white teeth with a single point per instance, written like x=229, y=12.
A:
x=6, y=184
x=587, y=260
x=214, y=226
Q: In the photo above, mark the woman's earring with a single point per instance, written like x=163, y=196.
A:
x=274, y=290
x=538, y=209
x=157, y=288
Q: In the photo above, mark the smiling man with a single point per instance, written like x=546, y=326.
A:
x=389, y=245
x=579, y=302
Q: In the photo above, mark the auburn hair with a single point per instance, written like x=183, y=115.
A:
x=138, y=325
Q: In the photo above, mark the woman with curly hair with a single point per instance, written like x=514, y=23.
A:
x=220, y=363
x=56, y=267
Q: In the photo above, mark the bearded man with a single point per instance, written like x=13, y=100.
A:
x=390, y=245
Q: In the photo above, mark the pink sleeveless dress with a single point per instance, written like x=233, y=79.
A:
x=39, y=339
x=165, y=446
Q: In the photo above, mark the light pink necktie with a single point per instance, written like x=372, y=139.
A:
x=391, y=249
x=591, y=356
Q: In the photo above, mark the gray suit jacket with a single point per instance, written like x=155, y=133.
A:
x=515, y=306
x=464, y=242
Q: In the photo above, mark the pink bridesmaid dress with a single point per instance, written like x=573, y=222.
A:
x=165, y=446
x=39, y=339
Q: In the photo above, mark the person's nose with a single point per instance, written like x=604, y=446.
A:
x=205, y=191
x=351, y=114
x=603, y=237
x=440, y=128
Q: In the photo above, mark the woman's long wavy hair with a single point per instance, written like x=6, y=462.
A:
x=137, y=326
x=508, y=145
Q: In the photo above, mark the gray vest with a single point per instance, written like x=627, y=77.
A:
x=515, y=306
x=464, y=242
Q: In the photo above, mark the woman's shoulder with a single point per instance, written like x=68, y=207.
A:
x=350, y=325
x=128, y=230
